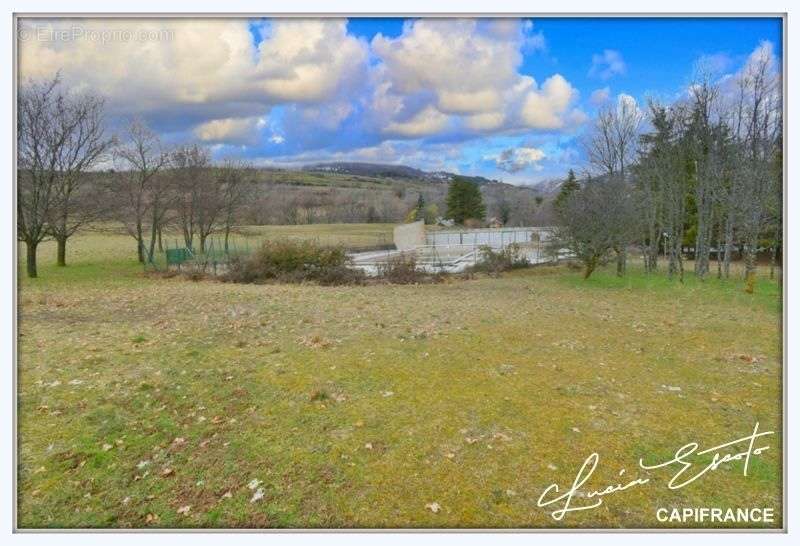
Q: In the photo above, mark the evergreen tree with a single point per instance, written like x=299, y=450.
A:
x=464, y=201
x=420, y=207
x=569, y=186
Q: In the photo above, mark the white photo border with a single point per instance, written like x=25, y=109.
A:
x=409, y=8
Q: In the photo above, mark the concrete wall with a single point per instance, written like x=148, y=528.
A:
x=409, y=236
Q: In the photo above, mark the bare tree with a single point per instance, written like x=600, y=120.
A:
x=140, y=159
x=232, y=177
x=612, y=148
x=758, y=122
x=77, y=202
x=60, y=137
x=190, y=177
x=706, y=144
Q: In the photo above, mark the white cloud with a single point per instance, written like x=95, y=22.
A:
x=198, y=70
x=464, y=74
x=513, y=160
x=426, y=122
x=230, y=130
x=544, y=108
x=607, y=64
x=210, y=79
x=764, y=52
x=600, y=96
x=308, y=60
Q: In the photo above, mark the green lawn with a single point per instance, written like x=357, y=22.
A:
x=364, y=406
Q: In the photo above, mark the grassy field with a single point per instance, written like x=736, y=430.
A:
x=149, y=402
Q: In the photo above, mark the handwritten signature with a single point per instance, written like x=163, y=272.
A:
x=688, y=470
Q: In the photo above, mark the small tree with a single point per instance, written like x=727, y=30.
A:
x=420, y=206
x=595, y=220
x=464, y=201
x=504, y=210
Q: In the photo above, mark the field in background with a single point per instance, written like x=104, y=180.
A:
x=307, y=406
x=108, y=254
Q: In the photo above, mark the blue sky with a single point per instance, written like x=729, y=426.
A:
x=508, y=99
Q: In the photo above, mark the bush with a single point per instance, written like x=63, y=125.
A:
x=495, y=262
x=340, y=275
x=403, y=269
x=293, y=261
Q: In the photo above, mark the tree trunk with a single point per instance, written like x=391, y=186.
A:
x=726, y=260
x=653, y=249
x=139, y=242
x=153, y=237
x=30, y=261
x=590, y=265
x=160, y=243
x=227, y=235
x=61, y=259
x=772, y=259
x=750, y=255
x=622, y=257
x=188, y=235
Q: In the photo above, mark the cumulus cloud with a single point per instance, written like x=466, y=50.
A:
x=190, y=72
x=545, y=108
x=230, y=130
x=513, y=160
x=300, y=87
x=600, y=96
x=425, y=122
x=763, y=53
x=464, y=74
x=607, y=64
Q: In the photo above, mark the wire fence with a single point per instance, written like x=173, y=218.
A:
x=217, y=251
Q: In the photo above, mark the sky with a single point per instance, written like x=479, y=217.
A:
x=508, y=99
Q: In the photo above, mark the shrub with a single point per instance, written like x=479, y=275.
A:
x=495, y=262
x=293, y=261
x=401, y=269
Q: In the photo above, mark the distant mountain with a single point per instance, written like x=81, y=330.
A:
x=549, y=187
x=389, y=171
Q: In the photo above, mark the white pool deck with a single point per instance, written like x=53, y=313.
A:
x=454, y=251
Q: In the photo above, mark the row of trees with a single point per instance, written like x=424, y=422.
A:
x=704, y=172
x=180, y=187
x=62, y=144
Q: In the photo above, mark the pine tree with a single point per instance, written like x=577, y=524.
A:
x=569, y=186
x=464, y=201
x=420, y=208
